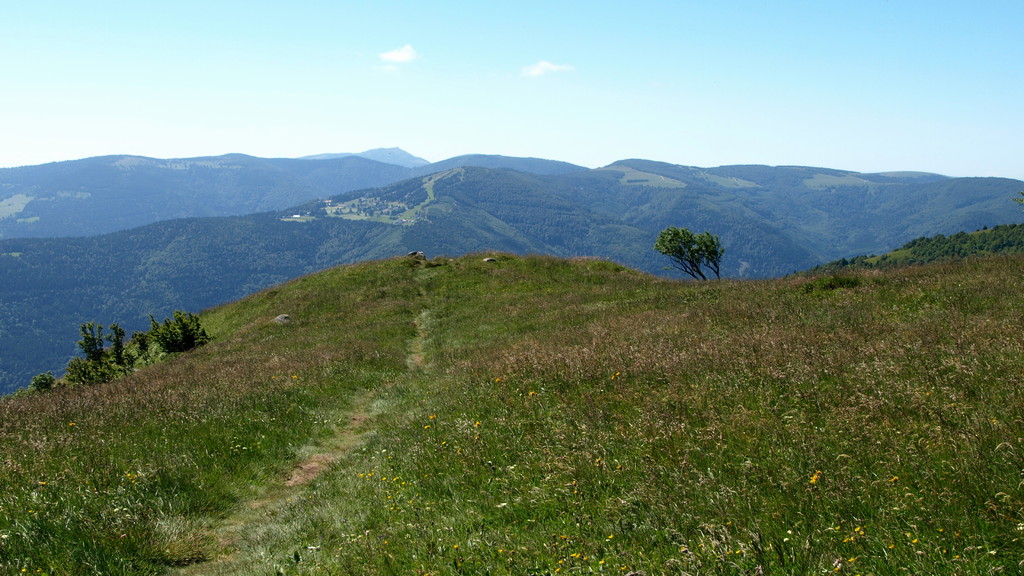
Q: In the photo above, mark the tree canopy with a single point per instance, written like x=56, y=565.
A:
x=690, y=252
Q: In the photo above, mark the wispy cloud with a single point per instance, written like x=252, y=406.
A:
x=543, y=67
x=399, y=55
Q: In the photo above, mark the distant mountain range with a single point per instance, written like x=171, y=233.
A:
x=395, y=156
x=111, y=193
x=771, y=220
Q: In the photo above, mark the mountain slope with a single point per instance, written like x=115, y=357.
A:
x=196, y=263
x=111, y=193
x=179, y=264
x=106, y=194
x=1006, y=239
x=538, y=415
x=836, y=213
x=613, y=213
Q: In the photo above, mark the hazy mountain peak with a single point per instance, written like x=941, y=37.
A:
x=395, y=156
x=529, y=165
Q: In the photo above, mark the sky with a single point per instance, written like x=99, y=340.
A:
x=870, y=86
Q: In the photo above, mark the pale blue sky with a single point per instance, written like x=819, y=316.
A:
x=870, y=85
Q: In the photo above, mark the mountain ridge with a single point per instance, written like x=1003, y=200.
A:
x=771, y=222
x=54, y=285
x=387, y=155
x=109, y=193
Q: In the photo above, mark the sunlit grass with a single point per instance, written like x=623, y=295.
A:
x=543, y=416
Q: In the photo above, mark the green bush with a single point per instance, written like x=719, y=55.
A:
x=85, y=371
x=102, y=364
x=180, y=334
x=42, y=382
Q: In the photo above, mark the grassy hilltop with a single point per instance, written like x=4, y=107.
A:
x=534, y=415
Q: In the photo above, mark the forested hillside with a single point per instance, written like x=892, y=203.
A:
x=1006, y=239
x=111, y=193
x=771, y=221
x=106, y=194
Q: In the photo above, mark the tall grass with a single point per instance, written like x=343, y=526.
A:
x=128, y=477
x=543, y=416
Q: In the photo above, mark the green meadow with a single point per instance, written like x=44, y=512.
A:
x=540, y=416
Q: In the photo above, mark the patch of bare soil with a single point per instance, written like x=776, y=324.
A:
x=306, y=471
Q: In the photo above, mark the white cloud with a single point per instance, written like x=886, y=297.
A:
x=400, y=55
x=543, y=67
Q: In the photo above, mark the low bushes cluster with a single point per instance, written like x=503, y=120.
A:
x=102, y=363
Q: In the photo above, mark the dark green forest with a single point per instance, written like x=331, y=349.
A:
x=1005, y=239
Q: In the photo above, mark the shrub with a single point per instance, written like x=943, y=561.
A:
x=180, y=334
x=100, y=364
x=103, y=364
x=85, y=371
x=42, y=382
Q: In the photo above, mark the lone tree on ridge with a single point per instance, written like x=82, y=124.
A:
x=691, y=252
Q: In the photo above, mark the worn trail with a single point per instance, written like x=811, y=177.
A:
x=259, y=513
x=238, y=535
